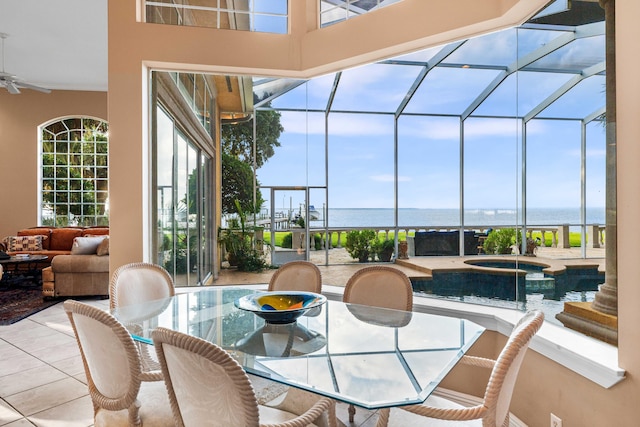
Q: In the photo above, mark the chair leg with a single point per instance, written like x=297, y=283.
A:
x=352, y=413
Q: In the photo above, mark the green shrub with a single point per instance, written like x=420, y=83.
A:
x=317, y=242
x=500, y=241
x=287, y=241
x=360, y=243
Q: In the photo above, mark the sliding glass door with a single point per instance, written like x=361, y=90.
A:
x=183, y=236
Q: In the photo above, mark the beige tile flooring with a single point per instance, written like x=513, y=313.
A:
x=42, y=381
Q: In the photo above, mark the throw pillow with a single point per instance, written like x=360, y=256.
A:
x=103, y=247
x=24, y=243
x=45, y=232
x=85, y=245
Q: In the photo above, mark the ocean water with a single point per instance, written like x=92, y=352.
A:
x=347, y=217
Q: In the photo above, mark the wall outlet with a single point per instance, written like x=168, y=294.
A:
x=555, y=421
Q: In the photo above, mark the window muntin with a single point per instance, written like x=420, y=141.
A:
x=74, y=172
x=270, y=16
x=197, y=93
x=334, y=11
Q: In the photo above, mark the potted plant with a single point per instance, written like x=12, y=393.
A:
x=531, y=245
x=360, y=244
x=384, y=249
x=239, y=245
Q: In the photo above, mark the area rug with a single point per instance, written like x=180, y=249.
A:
x=21, y=300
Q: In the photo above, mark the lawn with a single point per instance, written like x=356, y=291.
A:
x=574, y=238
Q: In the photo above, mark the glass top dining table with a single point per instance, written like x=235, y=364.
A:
x=366, y=356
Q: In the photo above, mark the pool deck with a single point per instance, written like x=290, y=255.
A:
x=342, y=266
x=550, y=260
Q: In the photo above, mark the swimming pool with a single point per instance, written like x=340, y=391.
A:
x=518, y=284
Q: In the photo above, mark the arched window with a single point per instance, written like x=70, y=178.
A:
x=74, y=180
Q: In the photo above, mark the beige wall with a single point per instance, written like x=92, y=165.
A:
x=20, y=116
x=628, y=137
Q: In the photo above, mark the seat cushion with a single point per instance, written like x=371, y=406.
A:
x=80, y=264
x=62, y=238
x=96, y=231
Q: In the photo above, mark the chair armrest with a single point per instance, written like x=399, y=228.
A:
x=310, y=415
x=457, y=414
x=480, y=362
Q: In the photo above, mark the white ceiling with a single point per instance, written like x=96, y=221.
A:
x=57, y=44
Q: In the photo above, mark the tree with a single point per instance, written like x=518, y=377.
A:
x=237, y=158
x=237, y=139
x=74, y=171
x=237, y=184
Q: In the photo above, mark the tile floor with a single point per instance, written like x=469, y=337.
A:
x=42, y=381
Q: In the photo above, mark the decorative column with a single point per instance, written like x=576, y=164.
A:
x=600, y=318
x=606, y=300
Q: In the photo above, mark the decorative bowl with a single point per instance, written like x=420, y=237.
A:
x=280, y=307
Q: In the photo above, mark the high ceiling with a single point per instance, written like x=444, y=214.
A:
x=59, y=44
x=62, y=44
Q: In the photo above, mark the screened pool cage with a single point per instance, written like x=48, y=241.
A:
x=503, y=130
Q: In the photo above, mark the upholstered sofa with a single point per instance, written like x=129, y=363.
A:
x=78, y=258
x=76, y=275
x=49, y=241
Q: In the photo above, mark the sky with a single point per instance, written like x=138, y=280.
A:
x=361, y=145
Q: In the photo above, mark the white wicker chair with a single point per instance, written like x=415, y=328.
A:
x=378, y=286
x=112, y=366
x=494, y=410
x=297, y=276
x=207, y=387
x=136, y=283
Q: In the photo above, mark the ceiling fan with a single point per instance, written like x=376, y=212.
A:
x=11, y=82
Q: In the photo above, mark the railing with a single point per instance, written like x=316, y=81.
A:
x=559, y=233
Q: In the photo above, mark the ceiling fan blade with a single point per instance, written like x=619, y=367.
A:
x=33, y=87
x=12, y=88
